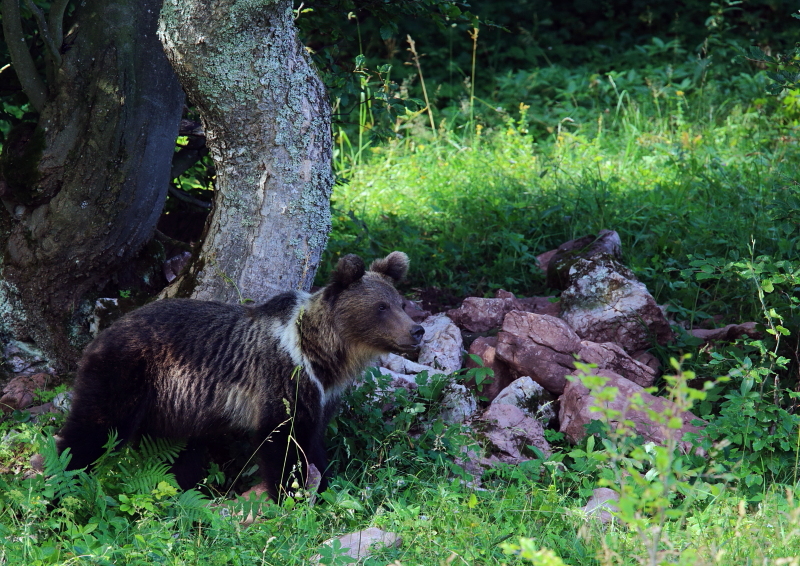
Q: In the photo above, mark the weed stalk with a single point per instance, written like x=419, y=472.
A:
x=415, y=56
x=474, y=37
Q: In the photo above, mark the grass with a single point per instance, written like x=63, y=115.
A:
x=440, y=522
x=676, y=173
x=695, y=170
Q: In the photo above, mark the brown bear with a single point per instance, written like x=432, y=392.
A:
x=193, y=370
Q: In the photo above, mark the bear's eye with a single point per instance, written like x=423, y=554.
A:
x=382, y=307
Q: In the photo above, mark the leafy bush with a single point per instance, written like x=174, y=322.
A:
x=394, y=428
x=754, y=416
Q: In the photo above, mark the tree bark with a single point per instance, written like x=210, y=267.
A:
x=267, y=121
x=32, y=83
x=84, y=190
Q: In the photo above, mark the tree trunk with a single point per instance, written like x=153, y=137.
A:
x=84, y=190
x=267, y=121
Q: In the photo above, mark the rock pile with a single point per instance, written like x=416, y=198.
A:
x=29, y=375
x=605, y=317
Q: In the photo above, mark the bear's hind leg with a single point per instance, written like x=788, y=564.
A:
x=284, y=460
x=85, y=443
x=278, y=459
x=86, y=435
x=315, y=454
x=188, y=467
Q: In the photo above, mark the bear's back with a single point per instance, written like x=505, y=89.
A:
x=195, y=366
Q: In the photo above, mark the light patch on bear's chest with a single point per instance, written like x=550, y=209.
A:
x=289, y=340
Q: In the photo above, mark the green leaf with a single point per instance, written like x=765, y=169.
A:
x=350, y=504
x=753, y=479
x=388, y=30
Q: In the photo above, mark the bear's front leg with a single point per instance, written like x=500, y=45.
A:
x=285, y=455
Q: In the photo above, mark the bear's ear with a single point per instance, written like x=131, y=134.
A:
x=348, y=270
x=394, y=265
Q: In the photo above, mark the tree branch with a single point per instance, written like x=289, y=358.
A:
x=29, y=78
x=186, y=197
x=56, y=17
x=55, y=54
x=164, y=239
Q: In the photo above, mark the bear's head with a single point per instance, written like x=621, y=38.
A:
x=367, y=309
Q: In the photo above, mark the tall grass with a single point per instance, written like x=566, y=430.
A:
x=678, y=173
x=441, y=521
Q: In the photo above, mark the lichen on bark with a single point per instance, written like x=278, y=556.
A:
x=267, y=121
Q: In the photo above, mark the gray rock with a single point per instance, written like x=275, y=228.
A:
x=576, y=411
x=24, y=357
x=399, y=364
x=602, y=504
x=508, y=433
x=174, y=265
x=360, y=544
x=399, y=379
x=43, y=414
x=63, y=401
x=485, y=347
x=477, y=314
x=530, y=397
x=558, y=263
x=611, y=357
x=648, y=359
x=540, y=346
x=606, y=303
x=540, y=305
x=458, y=404
x=18, y=394
x=37, y=462
x=18, y=364
x=442, y=346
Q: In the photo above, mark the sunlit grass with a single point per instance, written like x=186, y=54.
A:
x=676, y=175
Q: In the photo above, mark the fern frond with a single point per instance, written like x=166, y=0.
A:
x=191, y=505
x=67, y=483
x=165, y=449
x=106, y=461
x=56, y=480
x=113, y=440
x=144, y=480
x=91, y=491
x=53, y=462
